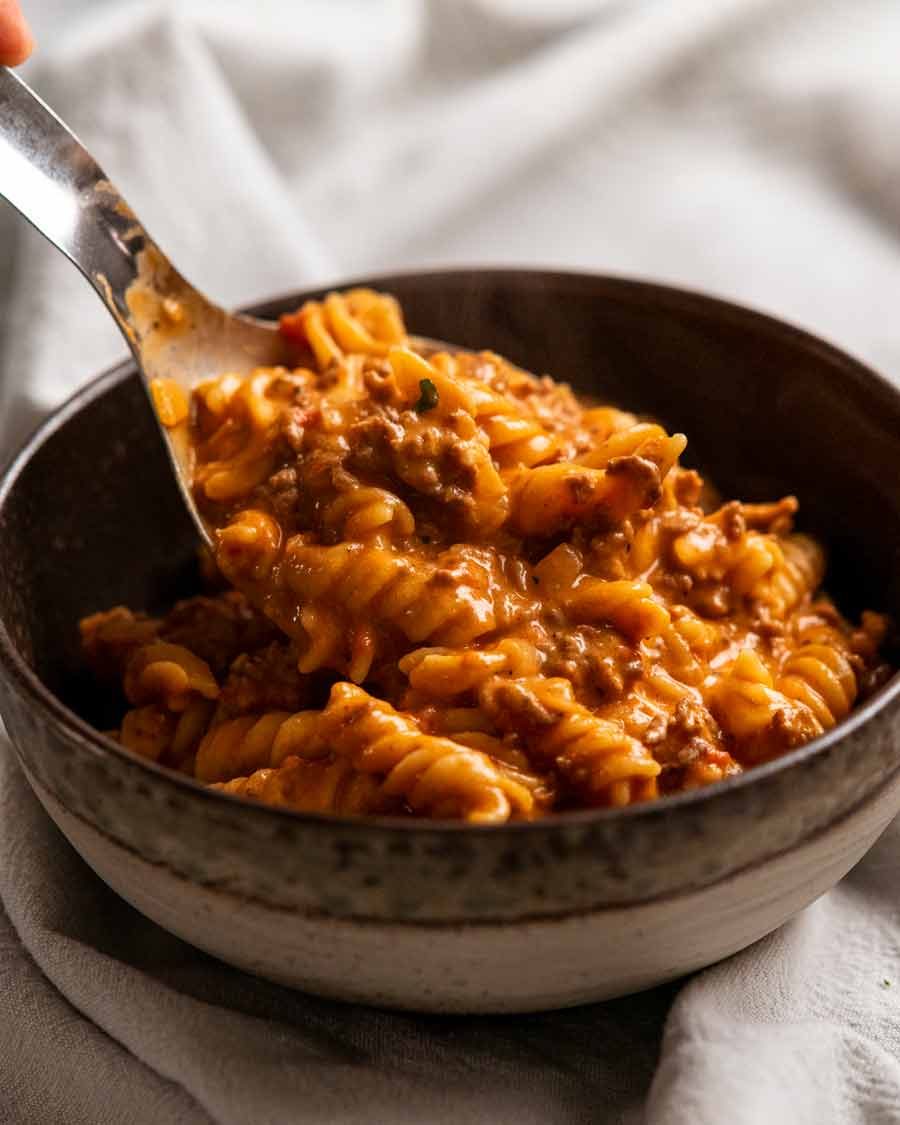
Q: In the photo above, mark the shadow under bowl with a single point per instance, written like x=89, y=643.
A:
x=436, y=916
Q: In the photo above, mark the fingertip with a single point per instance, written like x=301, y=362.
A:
x=20, y=53
x=16, y=41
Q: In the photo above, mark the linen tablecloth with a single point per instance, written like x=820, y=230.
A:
x=749, y=147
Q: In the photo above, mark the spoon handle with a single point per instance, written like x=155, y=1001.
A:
x=51, y=178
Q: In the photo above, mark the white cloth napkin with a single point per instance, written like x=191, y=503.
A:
x=748, y=147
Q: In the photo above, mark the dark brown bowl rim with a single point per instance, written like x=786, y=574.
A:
x=70, y=725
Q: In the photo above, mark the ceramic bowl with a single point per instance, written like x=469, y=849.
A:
x=434, y=916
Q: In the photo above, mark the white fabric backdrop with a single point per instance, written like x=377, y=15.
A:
x=749, y=147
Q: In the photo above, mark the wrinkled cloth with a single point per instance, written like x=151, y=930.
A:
x=747, y=147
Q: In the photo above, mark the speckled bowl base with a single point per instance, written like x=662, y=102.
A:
x=481, y=968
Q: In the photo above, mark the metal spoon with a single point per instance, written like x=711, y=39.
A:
x=173, y=330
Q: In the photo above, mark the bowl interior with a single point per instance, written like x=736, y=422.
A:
x=93, y=519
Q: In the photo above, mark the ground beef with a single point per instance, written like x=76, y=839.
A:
x=217, y=629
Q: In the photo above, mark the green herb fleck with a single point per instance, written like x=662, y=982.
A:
x=885, y=983
x=428, y=398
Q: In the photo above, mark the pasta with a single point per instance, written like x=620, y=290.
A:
x=458, y=592
x=331, y=786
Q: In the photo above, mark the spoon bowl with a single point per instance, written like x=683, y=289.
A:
x=175, y=333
